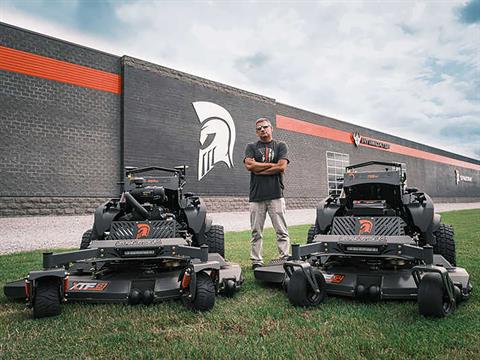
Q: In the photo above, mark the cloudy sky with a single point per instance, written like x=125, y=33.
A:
x=407, y=68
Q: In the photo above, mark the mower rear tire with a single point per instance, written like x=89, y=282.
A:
x=87, y=238
x=301, y=294
x=215, y=239
x=46, y=302
x=311, y=233
x=432, y=299
x=204, y=294
x=445, y=245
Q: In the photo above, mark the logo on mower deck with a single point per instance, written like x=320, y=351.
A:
x=151, y=243
x=333, y=278
x=143, y=230
x=366, y=226
x=217, y=136
x=88, y=286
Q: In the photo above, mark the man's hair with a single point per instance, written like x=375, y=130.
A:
x=263, y=120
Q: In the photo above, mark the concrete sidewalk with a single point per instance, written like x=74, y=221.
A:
x=48, y=232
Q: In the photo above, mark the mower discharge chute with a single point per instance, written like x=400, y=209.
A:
x=153, y=243
x=378, y=240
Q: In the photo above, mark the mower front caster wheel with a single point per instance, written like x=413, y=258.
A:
x=46, y=301
x=299, y=291
x=230, y=288
x=204, y=295
x=432, y=298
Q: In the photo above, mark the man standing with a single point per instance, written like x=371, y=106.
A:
x=266, y=160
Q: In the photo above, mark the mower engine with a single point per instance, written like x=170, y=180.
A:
x=146, y=202
x=149, y=194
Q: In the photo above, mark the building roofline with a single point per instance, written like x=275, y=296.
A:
x=57, y=39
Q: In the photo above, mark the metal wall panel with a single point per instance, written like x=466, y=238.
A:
x=162, y=127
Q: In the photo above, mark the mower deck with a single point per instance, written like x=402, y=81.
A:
x=350, y=282
x=116, y=287
x=129, y=272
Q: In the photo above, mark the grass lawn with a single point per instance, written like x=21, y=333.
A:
x=257, y=323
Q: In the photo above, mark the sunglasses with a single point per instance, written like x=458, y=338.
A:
x=262, y=127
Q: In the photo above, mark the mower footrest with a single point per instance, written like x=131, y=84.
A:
x=270, y=273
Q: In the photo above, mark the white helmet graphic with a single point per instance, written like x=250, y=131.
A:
x=217, y=136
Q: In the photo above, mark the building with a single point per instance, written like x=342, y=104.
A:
x=73, y=117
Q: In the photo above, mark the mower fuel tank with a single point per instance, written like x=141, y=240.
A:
x=421, y=210
x=325, y=213
x=104, y=216
x=197, y=217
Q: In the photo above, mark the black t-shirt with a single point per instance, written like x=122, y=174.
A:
x=266, y=187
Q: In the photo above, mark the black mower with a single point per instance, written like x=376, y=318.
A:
x=377, y=240
x=153, y=243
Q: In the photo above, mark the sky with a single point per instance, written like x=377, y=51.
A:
x=406, y=68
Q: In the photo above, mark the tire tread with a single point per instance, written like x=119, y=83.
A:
x=445, y=244
x=47, y=298
x=311, y=233
x=205, y=294
x=215, y=239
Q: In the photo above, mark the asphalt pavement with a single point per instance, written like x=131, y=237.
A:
x=49, y=232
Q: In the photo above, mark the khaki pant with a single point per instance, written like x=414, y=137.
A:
x=258, y=213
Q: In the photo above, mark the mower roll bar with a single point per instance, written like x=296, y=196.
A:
x=368, y=163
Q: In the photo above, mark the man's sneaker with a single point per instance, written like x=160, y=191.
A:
x=256, y=265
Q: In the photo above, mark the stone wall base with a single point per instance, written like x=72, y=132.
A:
x=48, y=206
x=45, y=206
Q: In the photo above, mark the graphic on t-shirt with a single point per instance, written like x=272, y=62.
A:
x=217, y=136
x=268, y=154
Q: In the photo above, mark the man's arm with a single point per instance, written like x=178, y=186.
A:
x=250, y=163
x=255, y=167
x=277, y=168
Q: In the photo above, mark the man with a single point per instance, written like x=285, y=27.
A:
x=266, y=160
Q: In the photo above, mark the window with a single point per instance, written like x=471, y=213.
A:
x=336, y=163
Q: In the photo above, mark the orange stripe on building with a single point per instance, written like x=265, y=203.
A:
x=304, y=127
x=44, y=67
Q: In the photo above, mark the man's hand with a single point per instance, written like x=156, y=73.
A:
x=256, y=167
x=277, y=168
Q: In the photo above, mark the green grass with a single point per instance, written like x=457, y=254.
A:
x=257, y=323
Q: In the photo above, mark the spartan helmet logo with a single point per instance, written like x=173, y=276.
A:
x=217, y=136
x=142, y=231
x=356, y=138
x=365, y=226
